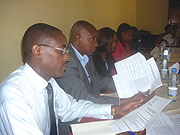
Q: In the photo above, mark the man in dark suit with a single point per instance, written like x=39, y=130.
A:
x=81, y=80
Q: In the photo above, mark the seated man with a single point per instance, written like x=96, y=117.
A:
x=30, y=99
x=81, y=80
x=168, y=29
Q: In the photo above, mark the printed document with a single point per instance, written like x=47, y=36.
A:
x=136, y=74
x=164, y=125
x=139, y=118
x=169, y=38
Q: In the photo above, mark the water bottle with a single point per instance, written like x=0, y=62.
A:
x=166, y=51
x=173, y=85
x=162, y=50
x=164, y=69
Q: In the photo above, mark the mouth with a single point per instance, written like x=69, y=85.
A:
x=93, y=50
x=64, y=66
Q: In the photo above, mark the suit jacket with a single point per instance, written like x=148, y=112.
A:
x=75, y=81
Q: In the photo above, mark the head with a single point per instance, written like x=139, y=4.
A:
x=83, y=37
x=168, y=28
x=135, y=33
x=107, y=39
x=175, y=28
x=43, y=47
x=124, y=33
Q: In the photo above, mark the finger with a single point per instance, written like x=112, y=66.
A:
x=140, y=101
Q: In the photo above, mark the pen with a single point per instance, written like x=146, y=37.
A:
x=131, y=133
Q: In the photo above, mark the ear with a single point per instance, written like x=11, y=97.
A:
x=36, y=51
x=122, y=34
x=78, y=36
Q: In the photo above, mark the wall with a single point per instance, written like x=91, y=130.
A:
x=17, y=15
x=152, y=15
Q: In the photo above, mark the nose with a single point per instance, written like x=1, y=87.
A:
x=66, y=57
x=95, y=43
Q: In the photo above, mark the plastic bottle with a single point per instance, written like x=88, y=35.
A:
x=162, y=50
x=166, y=51
x=173, y=85
x=164, y=69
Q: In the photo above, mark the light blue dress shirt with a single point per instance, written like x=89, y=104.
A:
x=84, y=60
x=24, y=107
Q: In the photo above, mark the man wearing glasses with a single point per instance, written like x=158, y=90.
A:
x=30, y=99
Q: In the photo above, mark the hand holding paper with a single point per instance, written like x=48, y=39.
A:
x=136, y=74
x=125, y=108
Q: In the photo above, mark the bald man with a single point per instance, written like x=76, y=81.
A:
x=81, y=80
x=30, y=99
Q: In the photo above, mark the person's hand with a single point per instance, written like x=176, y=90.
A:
x=145, y=96
x=125, y=108
x=142, y=132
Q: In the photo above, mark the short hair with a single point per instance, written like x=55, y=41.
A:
x=122, y=28
x=105, y=36
x=167, y=27
x=79, y=25
x=36, y=34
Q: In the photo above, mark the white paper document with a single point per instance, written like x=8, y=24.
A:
x=176, y=65
x=136, y=74
x=92, y=128
x=169, y=38
x=164, y=125
x=138, y=119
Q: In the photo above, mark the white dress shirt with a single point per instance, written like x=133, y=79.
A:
x=24, y=107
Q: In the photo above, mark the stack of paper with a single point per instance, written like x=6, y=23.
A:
x=164, y=125
x=138, y=119
x=134, y=121
x=136, y=74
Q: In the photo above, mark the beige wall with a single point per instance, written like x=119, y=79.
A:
x=152, y=15
x=17, y=15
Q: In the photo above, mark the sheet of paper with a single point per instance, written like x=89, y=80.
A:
x=176, y=65
x=176, y=120
x=135, y=74
x=169, y=38
x=139, y=118
x=92, y=128
x=164, y=125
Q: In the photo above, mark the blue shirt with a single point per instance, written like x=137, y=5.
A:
x=84, y=60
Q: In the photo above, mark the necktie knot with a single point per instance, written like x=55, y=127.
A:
x=49, y=88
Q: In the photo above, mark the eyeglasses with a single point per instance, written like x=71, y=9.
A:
x=63, y=51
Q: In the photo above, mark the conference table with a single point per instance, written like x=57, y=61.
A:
x=172, y=108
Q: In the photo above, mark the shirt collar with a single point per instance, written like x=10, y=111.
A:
x=83, y=58
x=37, y=81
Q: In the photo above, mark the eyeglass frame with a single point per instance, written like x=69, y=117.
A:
x=64, y=50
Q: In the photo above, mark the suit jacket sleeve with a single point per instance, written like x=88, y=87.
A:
x=75, y=83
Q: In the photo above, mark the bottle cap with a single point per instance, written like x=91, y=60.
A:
x=174, y=69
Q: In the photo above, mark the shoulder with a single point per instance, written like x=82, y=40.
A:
x=15, y=86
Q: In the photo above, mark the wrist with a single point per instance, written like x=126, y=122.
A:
x=113, y=111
